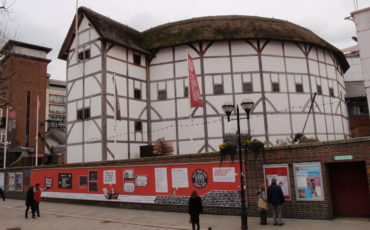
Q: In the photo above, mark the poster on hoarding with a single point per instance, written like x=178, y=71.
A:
x=109, y=176
x=223, y=174
x=129, y=174
x=281, y=173
x=2, y=180
x=19, y=181
x=11, y=181
x=180, y=178
x=65, y=180
x=93, y=175
x=48, y=182
x=129, y=187
x=142, y=181
x=161, y=184
x=308, y=181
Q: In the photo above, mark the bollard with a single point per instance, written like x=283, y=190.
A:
x=209, y=228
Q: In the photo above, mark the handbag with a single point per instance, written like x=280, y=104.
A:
x=262, y=204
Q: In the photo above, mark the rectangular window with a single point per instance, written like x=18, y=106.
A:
x=275, y=87
x=299, y=88
x=137, y=93
x=247, y=87
x=84, y=55
x=83, y=114
x=186, y=91
x=331, y=92
x=138, y=126
x=218, y=89
x=162, y=94
x=137, y=59
x=319, y=90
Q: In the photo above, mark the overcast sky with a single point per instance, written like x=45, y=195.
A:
x=46, y=22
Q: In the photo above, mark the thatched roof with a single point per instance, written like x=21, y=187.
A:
x=213, y=28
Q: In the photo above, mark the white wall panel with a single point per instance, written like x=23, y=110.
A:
x=216, y=65
x=75, y=135
x=273, y=48
x=117, y=52
x=218, y=49
x=331, y=71
x=214, y=127
x=314, y=68
x=273, y=64
x=136, y=107
x=187, y=147
x=292, y=50
x=116, y=66
x=256, y=82
x=137, y=72
x=162, y=107
x=84, y=24
x=241, y=48
x=76, y=90
x=91, y=130
x=92, y=86
x=120, y=151
x=181, y=53
x=189, y=128
x=163, y=55
x=135, y=151
x=74, y=72
x=74, y=154
x=95, y=109
x=295, y=65
x=93, y=66
x=164, y=130
x=93, y=152
x=242, y=64
x=279, y=124
x=72, y=113
x=160, y=72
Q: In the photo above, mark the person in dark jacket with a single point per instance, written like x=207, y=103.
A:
x=275, y=197
x=2, y=194
x=30, y=202
x=195, y=208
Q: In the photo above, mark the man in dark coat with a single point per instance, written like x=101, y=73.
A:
x=2, y=194
x=275, y=197
x=30, y=202
x=195, y=208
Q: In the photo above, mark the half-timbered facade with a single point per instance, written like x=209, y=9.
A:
x=275, y=63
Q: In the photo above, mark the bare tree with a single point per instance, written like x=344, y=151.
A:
x=5, y=6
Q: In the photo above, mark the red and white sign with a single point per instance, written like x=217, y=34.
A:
x=281, y=173
x=195, y=98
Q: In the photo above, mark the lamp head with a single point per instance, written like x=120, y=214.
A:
x=228, y=107
x=247, y=104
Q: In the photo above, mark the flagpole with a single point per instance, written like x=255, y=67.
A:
x=37, y=131
x=115, y=108
x=189, y=95
x=6, y=134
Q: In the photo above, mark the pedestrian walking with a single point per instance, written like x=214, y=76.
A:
x=30, y=202
x=2, y=194
x=38, y=192
x=262, y=205
x=195, y=208
x=276, y=198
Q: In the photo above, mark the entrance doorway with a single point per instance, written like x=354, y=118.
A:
x=349, y=189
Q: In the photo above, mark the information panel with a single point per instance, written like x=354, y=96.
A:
x=281, y=173
x=308, y=181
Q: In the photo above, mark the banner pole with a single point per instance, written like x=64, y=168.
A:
x=6, y=134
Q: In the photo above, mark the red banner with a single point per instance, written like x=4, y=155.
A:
x=12, y=124
x=195, y=98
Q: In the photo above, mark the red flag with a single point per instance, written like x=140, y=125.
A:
x=117, y=109
x=195, y=98
x=12, y=124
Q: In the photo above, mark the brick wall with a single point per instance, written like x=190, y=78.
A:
x=322, y=152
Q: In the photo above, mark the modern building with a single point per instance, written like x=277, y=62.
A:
x=356, y=98
x=277, y=64
x=23, y=78
x=56, y=104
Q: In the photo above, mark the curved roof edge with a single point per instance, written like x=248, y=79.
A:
x=211, y=28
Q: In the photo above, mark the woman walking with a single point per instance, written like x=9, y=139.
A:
x=195, y=208
x=262, y=205
x=30, y=202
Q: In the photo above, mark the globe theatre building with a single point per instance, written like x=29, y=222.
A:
x=277, y=64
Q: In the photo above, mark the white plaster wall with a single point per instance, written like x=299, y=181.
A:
x=273, y=64
x=92, y=65
x=242, y=64
x=162, y=107
x=91, y=130
x=117, y=52
x=218, y=49
x=136, y=108
x=292, y=50
x=122, y=105
x=116, y=66
x=121, y=130
x=74, y=72
x=295, y=65
x=92, y=85
x=160, y=72
x=74, y=154
x=137, y=72
x=93, y=152
x=135, y=151
x=273, y=48
x=181, y=52
x=72, y=112
x=163, y=55
x=241, y=48
x=191, y=146
x=75, y=133
x=190, y=128
x=120, y=150
x=165, y=129
x=216, y=65
x=29, y=52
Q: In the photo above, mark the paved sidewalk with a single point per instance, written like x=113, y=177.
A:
x=60, y=216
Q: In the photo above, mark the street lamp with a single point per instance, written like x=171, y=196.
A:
x=228, y=107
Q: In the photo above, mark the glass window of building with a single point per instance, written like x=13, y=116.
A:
x=319, y=90
x=275, y=87
x=138, y=126
x=57, y=109
x=162, y=94
x=137, y=93
x=247, y=87
x=218, y=89
x=299, y=88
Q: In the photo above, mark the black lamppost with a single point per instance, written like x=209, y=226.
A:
x=247, y=105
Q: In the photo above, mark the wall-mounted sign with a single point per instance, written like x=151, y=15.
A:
x=161, y=184
x=11, y=181
x=281, y=173
x=343, y=157
x=65, y=180
x=109, y=177
x=142, y=180
x=19, y=181
x=83, y=180
x=129, y=174
x=48, y=182
x=308, y=181
x=2, y=180
x=200, y=178
x=180, y=178
x=223, y=174
x=93, y=175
